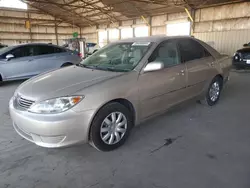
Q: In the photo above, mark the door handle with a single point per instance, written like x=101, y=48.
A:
x=182, y=72
x=30, y=60
x=212, y=64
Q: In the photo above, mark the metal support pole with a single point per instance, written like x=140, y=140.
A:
x=193, y=23
x=80, y=32
x=120, y=32
x=56, y=33
x=150, y=26
x=30, y=32
x=134, y=22
x=107, y=34
x=97, y=34
x=191, y=16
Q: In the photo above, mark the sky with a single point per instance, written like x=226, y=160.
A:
x=13, y=4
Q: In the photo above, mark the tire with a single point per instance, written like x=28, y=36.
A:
x=97, y=137
x=216, y=87
x=66, y=64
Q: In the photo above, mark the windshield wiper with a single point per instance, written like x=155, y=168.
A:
x=113, y=69
x=86, y=66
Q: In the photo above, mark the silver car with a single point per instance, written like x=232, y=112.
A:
x=100, y=100
x=26, y=60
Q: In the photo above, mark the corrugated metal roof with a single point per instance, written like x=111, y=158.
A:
x=95, y=12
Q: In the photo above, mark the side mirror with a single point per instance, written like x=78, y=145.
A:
x=153, y=66
x=245, y=45
x=9, y=57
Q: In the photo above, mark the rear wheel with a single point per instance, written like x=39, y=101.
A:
x=110, y=127
x=213, y=93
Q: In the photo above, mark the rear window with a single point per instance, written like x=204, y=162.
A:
x=43, y=49
x=59, y=50
x=214, y=52
x=90, y=44
x=192, y=50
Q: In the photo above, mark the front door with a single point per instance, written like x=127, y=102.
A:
x=21, y=65
x=161, y=89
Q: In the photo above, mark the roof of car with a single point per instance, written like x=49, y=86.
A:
x=27, y=44
x=157, y=38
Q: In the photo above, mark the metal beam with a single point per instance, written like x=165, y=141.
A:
x=101, y=10
x=56, y=33
x=30, y=27
x=220, y=4
x=150, y=26
x=133, y=14
x=33, y=33
x=189, y=15
x=80, y=32
x=74, y=13
x=45, y=12
x=24, y=18
x=141, y=1
x=50, y=3
x=91, y=22
x=26, y=39
x=70, y=2
x=59, y=4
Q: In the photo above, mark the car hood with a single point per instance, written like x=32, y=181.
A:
x=244, y=50
x=63, y=82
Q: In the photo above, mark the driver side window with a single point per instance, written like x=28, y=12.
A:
x=166, y=53
x=23, y=51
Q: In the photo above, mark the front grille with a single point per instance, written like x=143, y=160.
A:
x=23, y=103
x=245, y=55
x=52, y=139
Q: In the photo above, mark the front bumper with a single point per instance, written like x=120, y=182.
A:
x=52, y=130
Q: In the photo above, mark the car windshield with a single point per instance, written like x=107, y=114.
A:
x=5, y=49
x=120, y=57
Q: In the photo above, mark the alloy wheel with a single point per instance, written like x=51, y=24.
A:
x=214, y=91
x=113, y=128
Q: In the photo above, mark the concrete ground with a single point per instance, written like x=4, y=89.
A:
x=209, y=149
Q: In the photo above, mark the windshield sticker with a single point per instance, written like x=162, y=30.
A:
x=141, y=44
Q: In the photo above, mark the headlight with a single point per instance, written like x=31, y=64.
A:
x=237, y=56
x=57, y=105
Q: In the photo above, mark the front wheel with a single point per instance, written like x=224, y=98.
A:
x=214, y=92
x=110, y=127
x=66, y=64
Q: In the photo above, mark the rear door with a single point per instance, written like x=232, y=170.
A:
x=199, y=63
x=52, y=57
x=21, y=65
x=67, y=56
x=46, y=58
